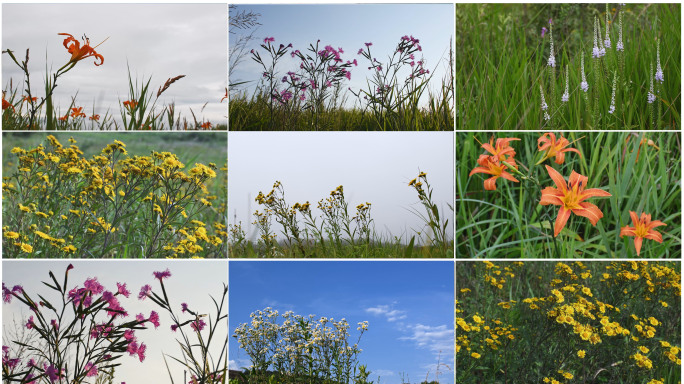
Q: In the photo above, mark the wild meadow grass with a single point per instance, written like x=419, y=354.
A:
x=614, y=194
x=334, y=232
x=401, y=92
x=580, y=322
x=568, y=66
x=59, y=202
x=26, y=107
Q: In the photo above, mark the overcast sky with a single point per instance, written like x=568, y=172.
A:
x=373, y=167
x=157, y=40
x=408, y=304
x=191, y=282
x=349, y=26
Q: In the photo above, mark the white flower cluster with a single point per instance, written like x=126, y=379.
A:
x=300, y=345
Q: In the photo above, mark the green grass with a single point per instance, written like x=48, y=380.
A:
x=631, y=295
x=502, y=61
x=510, y=222
x=252, y=114
x=375, y=250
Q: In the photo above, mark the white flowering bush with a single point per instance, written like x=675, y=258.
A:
x=290, y=346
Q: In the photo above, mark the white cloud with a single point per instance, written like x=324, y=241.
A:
x=232, y=364
x=435, y=338
x=239, y=364
x=386, y=311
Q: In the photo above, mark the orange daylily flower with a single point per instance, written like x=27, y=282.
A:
x=29, y=100
x=206, y=125
x=501, y=148
x=95, y=117
x=79, y=52
x=643, y=141
x=643, y=229
x=64, y=118
x=570, y=196
x=547, y=142
x=6, y=104
x=494, y=168
x=77, y=112
x=130, y=104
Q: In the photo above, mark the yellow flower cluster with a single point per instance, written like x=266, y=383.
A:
x=493, y=332
x=599, y=311
x=496, y=276
x=61, y=202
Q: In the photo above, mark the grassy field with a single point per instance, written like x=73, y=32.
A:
x=517, y=63
x=104, y=201
x=334, y=230
x=251, y=113
x=580, y=322
x=640, y=171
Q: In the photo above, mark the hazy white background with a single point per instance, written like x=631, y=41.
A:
x=158, y=40
x=191, y=281
x=373, y=167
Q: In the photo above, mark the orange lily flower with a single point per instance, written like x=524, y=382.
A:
x=29, y=100
x=206, y=125
x=79, y=52
x=6, y=104
x=495, y=168
x=95, y=117
x=547, y=142
x=570, y=196
x=77, y=112
x=130, y=104
x=501, y=149
x=64, y=118
x=643, y=229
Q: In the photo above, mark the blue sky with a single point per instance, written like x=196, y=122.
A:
x=409, y=306
x=349, y=26
x=191, y=281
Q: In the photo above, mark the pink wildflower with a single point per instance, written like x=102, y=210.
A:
x=144, y=292
x=162, y=275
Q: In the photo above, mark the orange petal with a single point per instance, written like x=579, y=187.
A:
x=557, y=178
x=656, y=223
x=577, y=179
x=590, y=211
x=637, y=244
x=480, y=170
x=490, y=184
x=561, y=220
x=627, y=231
x=560, y=157
x=653, y=235
x=594, y=192
x=551, y=195
x=508, y=176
